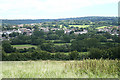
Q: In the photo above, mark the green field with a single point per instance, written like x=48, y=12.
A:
x=53, y=40
x=60, y=26
x=61, y=69
x=101, y=27
x=67, y=53
x=24, y=46
x=62, y=44
x=80, y=26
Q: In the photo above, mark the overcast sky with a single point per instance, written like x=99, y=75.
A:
x=47, y=9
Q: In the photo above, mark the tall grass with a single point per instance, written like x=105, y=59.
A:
x=94, y=68
x=61, y=69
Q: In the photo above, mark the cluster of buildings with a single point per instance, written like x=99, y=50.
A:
x=111, y=30
x=45, y=29
x=66, y=31
x=21, y=31
x=28, y=32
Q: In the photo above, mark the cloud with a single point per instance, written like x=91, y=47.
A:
x=31, y=7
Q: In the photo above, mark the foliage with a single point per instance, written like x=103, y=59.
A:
x=7, y=47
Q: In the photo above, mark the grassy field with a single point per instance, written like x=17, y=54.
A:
x=80, y=26
x=61, y=69
x=53, y=40
x=67, y=53
x=62, y=44
x=24, y=46
x=101, y=27
x=60, y=26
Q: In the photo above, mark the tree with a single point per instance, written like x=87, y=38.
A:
x=103, y=39
x=91, y=42
x=38, y=33
x=107, y=35
x=59, y=32
x=3, y=35
x=115, y=52
x=66, y=38
x=95, y=53
x=38, y=41
x=24, y=33
x=81, y=36
x=74, y=55
x=78, y=45
x=7, y=47
x=36, y=27
x=14, y=34
x=21, y=39
x=52, y=37
x=48, y=47
x=66, y=25
x=71, y=32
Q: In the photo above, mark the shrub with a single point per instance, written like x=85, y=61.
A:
x=74, y=55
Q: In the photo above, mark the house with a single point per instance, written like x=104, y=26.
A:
x=21, y=25
x=81, y=32
x=13, y=26
x=44, y=29
x=67, y=31
x=54, y=29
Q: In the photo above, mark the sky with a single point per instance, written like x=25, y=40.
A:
x=54, y=9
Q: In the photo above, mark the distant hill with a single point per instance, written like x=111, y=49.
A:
x=29, y=21
x=96, y=18
x=26, y=21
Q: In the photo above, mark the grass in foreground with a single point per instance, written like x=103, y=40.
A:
x=61, y=69
x=24, y=46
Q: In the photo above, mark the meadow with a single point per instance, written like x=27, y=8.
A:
x=80, y=26
x=62, y=44
x=61, y=69
x=101, y=27
x=24, y=46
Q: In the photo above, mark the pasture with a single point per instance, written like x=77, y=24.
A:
x=53, y=41
x=61, y=69
x=24, y=46
x=101, y=27
x=80, y=26
x=59, y=44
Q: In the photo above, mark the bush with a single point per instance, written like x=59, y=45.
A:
x=95, y=53
x=59, y=56
x=7, y=47
x=74, y=55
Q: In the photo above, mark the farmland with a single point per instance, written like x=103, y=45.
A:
x=24, y=46
x=101, y=27
x=61, y=69
x=62, y=43
x=80, y=26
